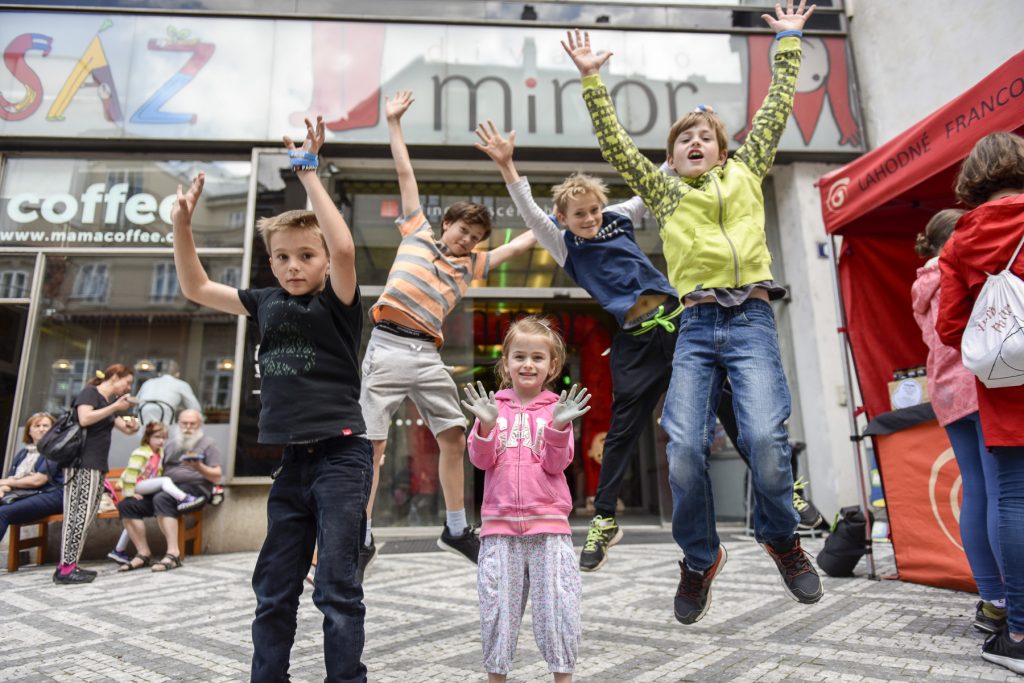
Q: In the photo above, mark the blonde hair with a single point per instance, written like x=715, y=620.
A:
x=996, y=163
x=299, y=219
x=688, y=121
x=575, y=186
x=937, y=232
x=532, y=325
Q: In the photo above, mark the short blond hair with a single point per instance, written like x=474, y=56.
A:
x=532, y=325
x=299, y=219
x=575, y=186
x=688, y=121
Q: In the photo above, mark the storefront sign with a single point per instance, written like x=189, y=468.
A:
x=126, y=76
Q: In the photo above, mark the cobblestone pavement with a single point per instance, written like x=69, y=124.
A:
x=192, y=624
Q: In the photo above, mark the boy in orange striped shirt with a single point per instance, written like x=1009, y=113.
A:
x=427, y=280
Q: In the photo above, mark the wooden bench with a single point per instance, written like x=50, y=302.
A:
x=186, y=533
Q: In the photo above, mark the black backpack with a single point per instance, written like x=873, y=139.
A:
x=847, y=543
x=65, y=441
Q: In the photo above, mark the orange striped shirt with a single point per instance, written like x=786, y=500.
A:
x=426, y=281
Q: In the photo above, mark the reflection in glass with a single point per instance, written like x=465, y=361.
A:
x=16, y=276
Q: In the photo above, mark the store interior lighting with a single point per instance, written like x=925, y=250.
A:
x=226, y=364
x=145, y=365
x=62, y=364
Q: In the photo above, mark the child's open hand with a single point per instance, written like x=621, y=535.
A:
x=395, y=106
x=569, y=407
x=789, y=20
x=493, y=145
x=315, y=137
x=582, y=56
x=481, y=404
x=181, y=212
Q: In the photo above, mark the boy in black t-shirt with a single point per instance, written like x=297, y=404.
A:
x=310, y=329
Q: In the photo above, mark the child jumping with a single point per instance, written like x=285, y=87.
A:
x=712, y=223
x=310, y=327
x=427, y=280
x=988, y=239
x=523, y=441
x=141, y=477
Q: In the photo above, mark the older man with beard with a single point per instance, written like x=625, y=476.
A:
x=192, y=461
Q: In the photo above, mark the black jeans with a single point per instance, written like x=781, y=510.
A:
x=641, y=369
x=318, y=499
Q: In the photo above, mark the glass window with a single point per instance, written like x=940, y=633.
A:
x=14, y=284
x=165, y=283
x=78, y=333
x=118, y=202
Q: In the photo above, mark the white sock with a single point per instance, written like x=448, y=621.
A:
x=122, y=542
x=1000, y=604
x=456, y=521
x=368, y=539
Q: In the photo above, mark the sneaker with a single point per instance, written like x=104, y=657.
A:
x=119, y=557
x=77, y=575
x=602, y=535
x=988, y=618
x=367, y=554
x=466, y=545
x=810, y=517
x=694, y=594
x=1000, y=649
x=191, y=503
x=798, y=575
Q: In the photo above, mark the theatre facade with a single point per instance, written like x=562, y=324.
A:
x=104, y=114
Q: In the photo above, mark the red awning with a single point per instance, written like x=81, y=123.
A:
x=917, y=167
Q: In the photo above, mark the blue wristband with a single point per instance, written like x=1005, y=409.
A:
x=303, y=161
x=782, y=34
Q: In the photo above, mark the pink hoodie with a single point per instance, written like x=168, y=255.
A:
x=951, y=386
x=523, y=459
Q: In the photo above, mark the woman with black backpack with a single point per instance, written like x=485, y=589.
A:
x=96, y=409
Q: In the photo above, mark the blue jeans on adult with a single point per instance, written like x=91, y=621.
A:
x=741, y=343
x=30, y=509
x=318, y=499
x=1010, y=467
x=979, y=512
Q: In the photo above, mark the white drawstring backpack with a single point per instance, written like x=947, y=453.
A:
x=993, y=343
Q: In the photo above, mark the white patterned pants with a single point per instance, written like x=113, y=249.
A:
x=82, y=492
x=544, y=568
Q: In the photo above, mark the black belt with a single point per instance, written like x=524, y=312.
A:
x=403, y=331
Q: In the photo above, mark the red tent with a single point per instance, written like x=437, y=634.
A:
x=878, y=204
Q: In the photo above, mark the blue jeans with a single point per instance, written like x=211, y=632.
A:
x=741, y=343
x=979, y=513
x=317, y=499
x=1010, y=468
x=31, y=509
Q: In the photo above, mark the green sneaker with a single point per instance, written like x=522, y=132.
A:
x=810, y=518
x=603, y=534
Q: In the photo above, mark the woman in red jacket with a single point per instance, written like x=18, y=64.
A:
x=991, y=183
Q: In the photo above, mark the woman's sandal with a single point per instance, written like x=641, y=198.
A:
x=167, y=563
x=146, y=560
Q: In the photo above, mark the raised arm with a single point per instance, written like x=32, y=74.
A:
x=758, y=149
x=617, y=148
x=523, y=243
x=394, y=108
x=500, y=150
x=195, y=284
x=340, y=247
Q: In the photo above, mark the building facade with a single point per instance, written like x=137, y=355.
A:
x=103, y=114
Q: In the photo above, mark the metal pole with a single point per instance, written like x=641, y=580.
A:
x=855, y=436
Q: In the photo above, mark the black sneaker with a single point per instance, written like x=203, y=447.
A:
x=603, y=534
x=693, y=596
x=810, y=517
x=1002, y=650
x=466, y=545
x=77, y=575
x=798, y=575
x=988, y=618
x=367, y=554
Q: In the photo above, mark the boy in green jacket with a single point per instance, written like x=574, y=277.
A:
x=712, y=223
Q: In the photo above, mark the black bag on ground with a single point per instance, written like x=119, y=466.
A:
x=65, y=441
x=846, y=544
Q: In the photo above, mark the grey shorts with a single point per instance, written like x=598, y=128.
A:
x=396, y=368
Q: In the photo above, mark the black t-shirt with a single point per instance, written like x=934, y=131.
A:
x=97, y=440
x=308, y=364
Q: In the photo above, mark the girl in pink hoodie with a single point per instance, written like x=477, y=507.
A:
x=522, y=439
x=954, y=398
